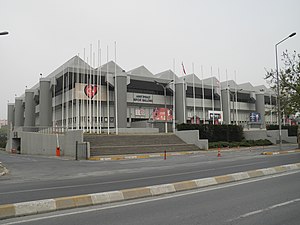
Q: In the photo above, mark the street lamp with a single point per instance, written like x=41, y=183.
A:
x=4, y=33
x=278, y=91
x=164, y=86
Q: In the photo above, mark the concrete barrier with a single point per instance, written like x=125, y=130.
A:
x=48, y=205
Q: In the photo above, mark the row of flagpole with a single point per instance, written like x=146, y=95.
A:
x=212, y=93
x=85, y=120
x=85, y=111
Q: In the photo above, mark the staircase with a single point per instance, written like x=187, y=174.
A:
x=136, y=144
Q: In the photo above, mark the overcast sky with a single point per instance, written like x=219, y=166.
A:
x=233, y=34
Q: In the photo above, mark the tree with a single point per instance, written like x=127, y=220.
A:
x=289, y=83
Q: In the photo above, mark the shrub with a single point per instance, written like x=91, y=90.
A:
x=244, y=143
x=214, y=133
x=292, y=130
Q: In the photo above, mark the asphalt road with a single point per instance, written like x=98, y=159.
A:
x=269, y=201
x=33, y=178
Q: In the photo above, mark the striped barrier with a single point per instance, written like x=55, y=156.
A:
x=49, y=205
x=280, y=153
x=142, y=156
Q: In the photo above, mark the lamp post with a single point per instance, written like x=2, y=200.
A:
x=4, y=33
x=164, y=86
x=278, y=88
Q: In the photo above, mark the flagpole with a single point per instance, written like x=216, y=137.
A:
x=228, y=97
x=63, y=99
x=93, y=85
x=236, y=106
x=221, y=104
x=84, y=105
x=87, y=100
x=54, y=104
x=203, y=105
x=97, y=85
x=116, y=91
x=212, y=94
x=72, y=101
x=67, y=99
x=90, y=82
x=184, y=95
x=107, y=93
x=77, y=100
x=100, y=89
x=174, y=97
x=194, y=94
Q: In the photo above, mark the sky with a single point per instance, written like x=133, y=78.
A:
x=232, y=35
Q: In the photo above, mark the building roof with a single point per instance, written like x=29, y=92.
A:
x=167, y=75
x=189, y=79
x=231, y=84
x=211, y=80
x=246, y=86
x=110, y=67
x=140, y=71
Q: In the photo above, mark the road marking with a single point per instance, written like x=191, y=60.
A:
x=152, y=199
x=127, y=180
x=265, y=209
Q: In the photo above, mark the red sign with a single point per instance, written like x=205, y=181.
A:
x=90, y=90
x=159, y=114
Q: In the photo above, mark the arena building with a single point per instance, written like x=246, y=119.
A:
x=108, y=98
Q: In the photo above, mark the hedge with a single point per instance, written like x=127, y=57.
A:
x=214, y=133
x=244, y=143
x=292, y=130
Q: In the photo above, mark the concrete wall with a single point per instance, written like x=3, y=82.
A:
x=122, y=100
x=45, y=106
x=226, y=106
x=260, y=107
x=29, y=108
x=180, y=103
x=271, y=135
x=192, y=137
x=19, y=112
x=45, y=144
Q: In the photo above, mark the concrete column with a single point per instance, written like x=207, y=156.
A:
x=10, y=115
x=260, y=107
x=19, y=112
x=45, y=103
x=10, y=122
x=29, y=108
x=226, y=106
x=180, y=102
x=122, y=100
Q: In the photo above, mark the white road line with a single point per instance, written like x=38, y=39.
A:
x=266, y=209
x=126, y=180
x=153, y=199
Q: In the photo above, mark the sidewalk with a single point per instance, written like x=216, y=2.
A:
x=167, y=154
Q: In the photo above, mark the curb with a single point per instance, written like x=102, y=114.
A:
x=281, y=152
x=50, y=205
x=141, y=156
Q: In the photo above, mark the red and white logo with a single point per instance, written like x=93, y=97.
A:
x=90, y=90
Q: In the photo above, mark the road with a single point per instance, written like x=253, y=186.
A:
x=34, y=178
x=269, y=201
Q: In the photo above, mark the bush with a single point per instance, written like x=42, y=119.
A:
x=3, y=136
x=292, y=130
x=244, y=143
x=215, y=133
